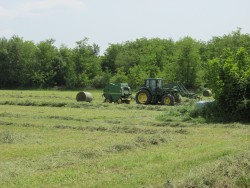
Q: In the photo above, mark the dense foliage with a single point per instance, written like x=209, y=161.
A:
x=221, y=64
x=24, y=64
x=229, y=77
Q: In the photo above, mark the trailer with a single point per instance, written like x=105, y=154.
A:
x=118, y=93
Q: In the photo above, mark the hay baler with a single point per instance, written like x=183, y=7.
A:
x=117, y=92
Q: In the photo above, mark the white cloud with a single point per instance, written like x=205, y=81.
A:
x=40, y=7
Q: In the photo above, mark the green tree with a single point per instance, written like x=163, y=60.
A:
x=188, y=62
x=101, y=80
x=136, y=76
x=119, y=77
x=233, y=41
x=11, y=61
x=69, y=73
x=28, y=58
x=87, y=63
x=229, y=78
x=147, y=57
x=17, y=59
x=4, y=63
x=108, y=61
x=46, y=64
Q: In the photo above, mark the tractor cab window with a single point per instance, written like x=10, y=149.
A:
x=147, y=83
x=153, y=84
x=159, y=84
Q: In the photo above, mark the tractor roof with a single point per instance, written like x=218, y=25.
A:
x=153, y=79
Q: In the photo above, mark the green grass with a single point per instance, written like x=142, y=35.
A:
x=47, y=139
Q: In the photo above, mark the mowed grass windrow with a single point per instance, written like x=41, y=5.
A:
x=47, y=139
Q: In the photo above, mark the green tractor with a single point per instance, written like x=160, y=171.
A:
x=152, y=92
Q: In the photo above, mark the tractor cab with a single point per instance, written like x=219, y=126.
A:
x=153, y=83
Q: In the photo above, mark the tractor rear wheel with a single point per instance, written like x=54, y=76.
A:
x=167, y=100
x=143, y=97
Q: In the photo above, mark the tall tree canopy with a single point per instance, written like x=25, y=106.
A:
x=25, y=64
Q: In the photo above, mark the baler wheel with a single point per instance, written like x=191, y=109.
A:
x=108, y=101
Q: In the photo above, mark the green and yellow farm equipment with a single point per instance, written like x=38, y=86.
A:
x=117, y=92
x=153, y=92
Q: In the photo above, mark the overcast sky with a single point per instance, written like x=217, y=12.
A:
x=117, y=21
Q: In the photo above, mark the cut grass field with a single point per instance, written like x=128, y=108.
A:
x=47, y=139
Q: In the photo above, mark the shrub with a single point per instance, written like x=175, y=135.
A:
x=229, y=78
x=101, y=80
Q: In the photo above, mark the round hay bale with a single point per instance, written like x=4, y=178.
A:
x=84, y=96
x=207, y=93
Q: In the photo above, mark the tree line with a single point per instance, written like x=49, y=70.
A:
x=222, y=64
x=24, y=64
x=28, y=65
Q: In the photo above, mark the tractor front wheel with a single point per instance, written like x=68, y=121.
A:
x=143, y=97
x=167, y=100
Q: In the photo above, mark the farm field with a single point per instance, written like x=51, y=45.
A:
x=47, y=139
